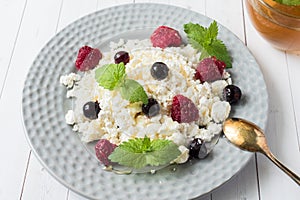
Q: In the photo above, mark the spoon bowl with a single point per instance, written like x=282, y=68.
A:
x=248, y=136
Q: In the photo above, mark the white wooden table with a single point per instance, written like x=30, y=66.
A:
x=26, y=26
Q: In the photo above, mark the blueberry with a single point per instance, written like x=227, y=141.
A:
x=91, y=109
x=232, y=94
x=198, y=149
x=121, y=56
x=152, y=108
x=159, y=70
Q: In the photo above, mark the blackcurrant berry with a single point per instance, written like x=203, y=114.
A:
x=91, y=109
x=232, y=94
x=197, y=149
x=152, y=108
x=121, y=56
x=159, y=70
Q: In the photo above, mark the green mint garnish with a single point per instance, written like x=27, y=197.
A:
x=113, y=77
x=289, y=2
x=206, y=41
x=142, y=152
x=132, y=91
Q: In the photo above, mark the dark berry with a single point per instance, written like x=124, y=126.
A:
x=121, y=56
x=91, y=109
x=87, y=58
x=198, y=149
x=232, y=94
x=159, y=70
x=152, y=108
x=184, y=110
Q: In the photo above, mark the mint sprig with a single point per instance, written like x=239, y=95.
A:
x=142, y=152
x=113, y=77
x=205, y=40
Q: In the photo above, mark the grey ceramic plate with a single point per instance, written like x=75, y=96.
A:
x=66, y=158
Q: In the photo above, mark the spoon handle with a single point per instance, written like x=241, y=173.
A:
x=291, y=174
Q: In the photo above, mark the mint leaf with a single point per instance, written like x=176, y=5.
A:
x=212, y=31
x=140, y=152
x=111, y=75
x=132, y=91
x=217, y=48
x=139, y=145
x=128, y=159
x=204, y=54
x=195, y=34
x=205, y=40
x=289, y=2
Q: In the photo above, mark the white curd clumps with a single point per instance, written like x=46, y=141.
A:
x=120, y=120
x=69, y=80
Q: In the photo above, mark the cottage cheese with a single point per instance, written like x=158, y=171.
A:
x=120, y=120
x=69, y=80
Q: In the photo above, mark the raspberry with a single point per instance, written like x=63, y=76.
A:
x=103, y=149
x=221, y=65
x=165, y=36
x=183, y=110
x=210, y=69
x=87, y=58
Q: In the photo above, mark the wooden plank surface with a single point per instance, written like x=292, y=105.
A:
x=281, y=132
x=31, y=35
x=12, y=10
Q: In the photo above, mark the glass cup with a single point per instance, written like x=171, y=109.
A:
x=277, y=23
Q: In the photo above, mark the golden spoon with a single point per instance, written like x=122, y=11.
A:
x=248, y=136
